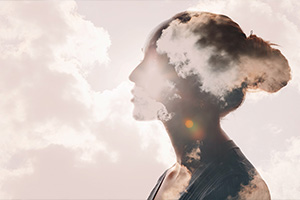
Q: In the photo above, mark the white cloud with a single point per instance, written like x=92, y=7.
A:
x=272, y=128
x=273, y=21
x=282, y=172
x=60, y=138
x=42, y=84
x=215, y=66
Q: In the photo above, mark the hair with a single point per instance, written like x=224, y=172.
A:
x=258, y=65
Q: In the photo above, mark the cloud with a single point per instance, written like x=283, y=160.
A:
x=117, y=149
x=282, y=172
x=59, y=137
x=42, y=83
x=277, y=22
x=146, y=108
x=223, y=62
x=274, y=21
x=59, y=172
x=43, y=90
x=255, y=189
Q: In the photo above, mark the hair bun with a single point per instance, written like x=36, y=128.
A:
x=267, y=69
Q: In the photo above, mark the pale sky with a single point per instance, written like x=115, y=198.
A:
x=66, y=117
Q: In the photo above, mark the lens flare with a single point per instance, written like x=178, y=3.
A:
x=189, y=123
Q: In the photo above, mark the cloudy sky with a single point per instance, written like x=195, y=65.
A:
x=66, y=118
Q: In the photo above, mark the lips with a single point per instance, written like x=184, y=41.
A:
x=138, y=93
x=140, y=96
x=135, y=99
x=139, y=100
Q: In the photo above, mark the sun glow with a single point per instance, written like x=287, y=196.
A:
x=189, y=123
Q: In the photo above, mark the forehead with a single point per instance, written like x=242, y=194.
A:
x=183, y=17
x=155, y=35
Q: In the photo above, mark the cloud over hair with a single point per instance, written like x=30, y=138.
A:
x=226, y=62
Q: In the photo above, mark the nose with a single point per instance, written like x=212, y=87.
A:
x=134, y=74
x=131, y=76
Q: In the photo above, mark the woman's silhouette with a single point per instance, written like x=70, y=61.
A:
x=197, y=68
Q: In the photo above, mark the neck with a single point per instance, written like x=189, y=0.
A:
x=193, y=142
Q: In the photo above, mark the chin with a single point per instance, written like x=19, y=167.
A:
x=144, y=112
x=153, y=111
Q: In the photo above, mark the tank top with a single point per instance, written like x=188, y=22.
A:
x=218, y=178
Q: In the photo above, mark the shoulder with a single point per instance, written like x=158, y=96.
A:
x=157, y=186
x=234, y=187
x=255, y=189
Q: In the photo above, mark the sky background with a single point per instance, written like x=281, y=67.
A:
x=65, y=113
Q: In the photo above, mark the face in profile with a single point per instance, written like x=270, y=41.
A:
x=154, y=86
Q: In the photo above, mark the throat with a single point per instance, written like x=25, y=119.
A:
x=192, y=152
x=191, y=156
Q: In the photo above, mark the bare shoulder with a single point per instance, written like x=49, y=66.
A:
x=255, y=189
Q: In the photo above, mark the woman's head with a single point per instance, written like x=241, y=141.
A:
x=203, y=62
